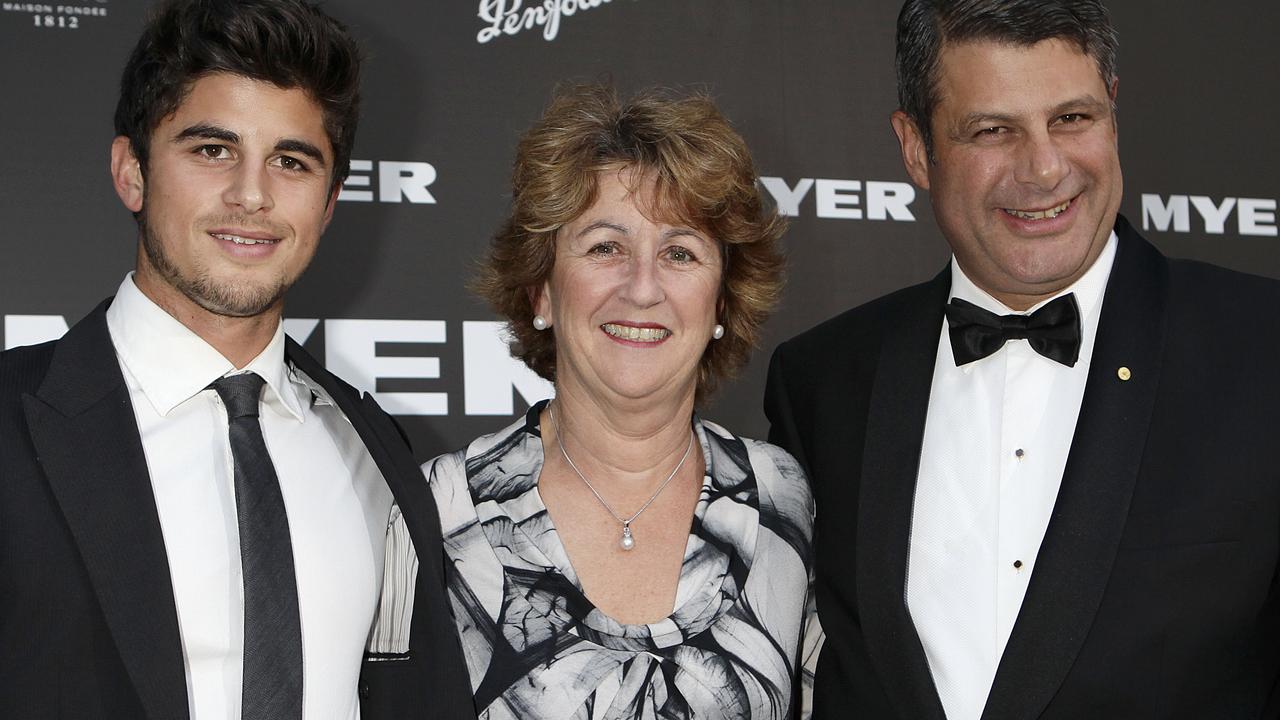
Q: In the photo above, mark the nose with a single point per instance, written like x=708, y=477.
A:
x=1042, y=164
x=643, y=286
x=249, y=189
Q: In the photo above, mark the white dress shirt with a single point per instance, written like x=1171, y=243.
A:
x=995, y=446
x=337, y=502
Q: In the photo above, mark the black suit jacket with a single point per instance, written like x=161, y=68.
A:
x=88, y=625
x=1155, y=592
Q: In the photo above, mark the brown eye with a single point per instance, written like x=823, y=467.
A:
x=292, y=163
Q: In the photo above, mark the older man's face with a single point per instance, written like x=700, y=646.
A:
x=1025, y=181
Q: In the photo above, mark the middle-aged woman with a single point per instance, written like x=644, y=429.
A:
x=614, y=555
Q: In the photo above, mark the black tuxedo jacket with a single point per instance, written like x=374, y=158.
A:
x=1155, y=593
x=88, y=625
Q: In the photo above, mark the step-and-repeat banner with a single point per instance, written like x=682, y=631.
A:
x=451, y=84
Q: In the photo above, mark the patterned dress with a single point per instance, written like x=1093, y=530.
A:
x=537, y=648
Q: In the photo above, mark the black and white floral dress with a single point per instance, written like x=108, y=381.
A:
x=536, y=647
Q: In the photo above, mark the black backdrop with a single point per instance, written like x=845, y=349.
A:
x=808, y=82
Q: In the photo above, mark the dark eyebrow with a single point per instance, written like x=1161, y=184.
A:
x=302, y=147
x=986, y=119
x=205, y=131
x=1086, y=103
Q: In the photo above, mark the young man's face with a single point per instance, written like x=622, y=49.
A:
x=1025, y=181
x=235, y=197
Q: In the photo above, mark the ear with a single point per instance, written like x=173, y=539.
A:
x=126, y=174
x=1114, y=92
x=328, y=209
x=914, y=154
x=540, y=299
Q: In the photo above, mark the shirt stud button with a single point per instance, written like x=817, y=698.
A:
x=1019, y=453
x=1017, y=564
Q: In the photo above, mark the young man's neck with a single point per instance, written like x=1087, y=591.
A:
x=238, y=339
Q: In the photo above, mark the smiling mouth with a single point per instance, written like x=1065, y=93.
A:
x=237, y=239
x=1049, y=214
x=636, y=334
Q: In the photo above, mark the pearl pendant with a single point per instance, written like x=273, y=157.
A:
x=628, y=542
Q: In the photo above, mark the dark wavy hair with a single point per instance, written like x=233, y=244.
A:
x=925, y=26
x=288, y=43
x=704, y=176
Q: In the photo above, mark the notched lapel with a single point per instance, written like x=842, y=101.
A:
x=896, y=417
x=1083, y=535
x=84, y=431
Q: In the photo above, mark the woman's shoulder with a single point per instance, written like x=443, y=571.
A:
x=452, y=475
x=776, y=472
x=765, y=457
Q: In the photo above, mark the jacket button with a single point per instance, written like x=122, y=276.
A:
x=363, y=690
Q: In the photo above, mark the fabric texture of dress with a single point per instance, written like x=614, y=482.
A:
x=536, y=647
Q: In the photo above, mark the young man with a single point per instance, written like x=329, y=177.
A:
x=1044, y=479
x=193, y=512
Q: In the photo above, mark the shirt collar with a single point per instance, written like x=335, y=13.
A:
x=172, y=364
x=1089, y=289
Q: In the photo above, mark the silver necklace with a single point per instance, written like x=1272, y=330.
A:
x=628, y=541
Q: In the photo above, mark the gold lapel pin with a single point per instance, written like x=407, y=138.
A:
x=1123, y=373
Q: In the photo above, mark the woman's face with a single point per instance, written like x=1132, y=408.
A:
x=632, y=299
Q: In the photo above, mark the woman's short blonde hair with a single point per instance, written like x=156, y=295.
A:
x=703, y=176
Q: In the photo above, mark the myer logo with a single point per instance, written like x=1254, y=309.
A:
x=396, y=182
x=844, y=199
x=510, y=17
x=1172, y=213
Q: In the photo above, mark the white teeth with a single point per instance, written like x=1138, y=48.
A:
x=1052, y=212
x=242, y=241
x=636, y=334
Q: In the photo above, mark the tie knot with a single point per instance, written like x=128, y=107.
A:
x=1015, y=326
x=240, y=393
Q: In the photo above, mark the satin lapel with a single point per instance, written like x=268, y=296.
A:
x=895, y=431
x=1084, y=532
x=83, y=427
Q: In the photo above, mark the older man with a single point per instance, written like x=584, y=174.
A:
x=1045, y=480
x=193, y=512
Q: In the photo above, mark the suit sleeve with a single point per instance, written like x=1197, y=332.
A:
x=777, y=408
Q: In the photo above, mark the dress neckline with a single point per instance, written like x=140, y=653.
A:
x=709, y=571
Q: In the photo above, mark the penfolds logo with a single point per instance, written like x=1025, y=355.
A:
x=511, y=17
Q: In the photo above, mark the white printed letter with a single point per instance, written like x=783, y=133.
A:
x=491, y=373
x=833, y=203
x=32, y=329
x=1159, y=216
x=788, y=200
x=1257, y=217
x=350, y=351
x=1215, y=217
x=353, y=181
x=890, y=199
x=408, y=178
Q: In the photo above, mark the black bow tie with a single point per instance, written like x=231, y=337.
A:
x=1053, y=330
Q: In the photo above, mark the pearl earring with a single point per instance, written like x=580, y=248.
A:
x=717, y=332
x=540, y=323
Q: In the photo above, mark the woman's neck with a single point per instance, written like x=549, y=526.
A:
x=619, y=444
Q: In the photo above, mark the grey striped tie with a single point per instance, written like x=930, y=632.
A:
x=272, y=687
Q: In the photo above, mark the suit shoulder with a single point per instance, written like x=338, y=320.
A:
x=1222, y=285
x=853, y=327
x=22, y=369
